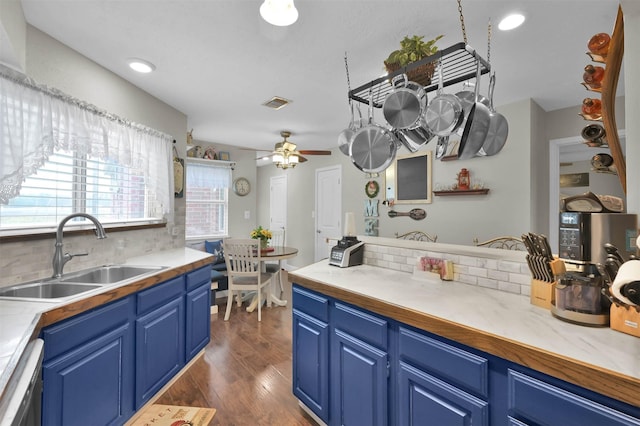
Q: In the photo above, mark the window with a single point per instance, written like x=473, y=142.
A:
x=207, y=198
x=60, y=155
x=70, y=182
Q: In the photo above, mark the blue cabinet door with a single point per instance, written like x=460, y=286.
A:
x=427, y=400
x=311, y=363
x=198, y=320
x=160, y=348
x=91, y=384
x=359, y=382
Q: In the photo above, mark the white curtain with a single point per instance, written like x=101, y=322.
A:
x=36, y=120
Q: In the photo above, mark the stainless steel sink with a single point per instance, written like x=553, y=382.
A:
x=76, y=283
x=109, y=274
x=46, y=290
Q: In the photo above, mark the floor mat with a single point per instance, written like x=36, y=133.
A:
x=174, y=415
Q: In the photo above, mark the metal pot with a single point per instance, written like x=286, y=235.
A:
x=468, y=98
x=344, y=138
x=404, y=106
x=498, y=126
x=373, y=147
x=444, y=113
x=476, y=127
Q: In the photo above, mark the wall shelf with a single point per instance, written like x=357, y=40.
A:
x=462, y=192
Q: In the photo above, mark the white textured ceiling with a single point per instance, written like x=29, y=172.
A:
x=217, y=61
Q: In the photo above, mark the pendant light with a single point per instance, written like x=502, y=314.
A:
x=279, y=12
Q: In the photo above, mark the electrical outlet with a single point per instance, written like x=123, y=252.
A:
x=174, y=231
x=247, y=214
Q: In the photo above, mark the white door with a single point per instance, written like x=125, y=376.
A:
x=278, y=203
x=328, y=209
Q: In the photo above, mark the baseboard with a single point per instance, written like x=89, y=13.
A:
x=311, y=413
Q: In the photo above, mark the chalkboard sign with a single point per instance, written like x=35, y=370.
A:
x=408, y=179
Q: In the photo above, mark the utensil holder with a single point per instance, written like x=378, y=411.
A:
x=625, y=319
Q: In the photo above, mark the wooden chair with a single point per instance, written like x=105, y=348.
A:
x=277, y=240
x=417, y=236
x=244, y=271
x=505, y=243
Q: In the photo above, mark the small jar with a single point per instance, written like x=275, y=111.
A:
x=592, y=107
x=599, y=44
x=593, y=76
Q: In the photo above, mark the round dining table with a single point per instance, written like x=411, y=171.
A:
x=279, y=253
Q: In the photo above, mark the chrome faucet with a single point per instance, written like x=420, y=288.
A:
x=59, y=259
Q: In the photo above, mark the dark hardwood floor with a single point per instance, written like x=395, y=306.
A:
x=245, y=373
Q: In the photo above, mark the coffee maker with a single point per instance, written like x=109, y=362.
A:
x=582, y=240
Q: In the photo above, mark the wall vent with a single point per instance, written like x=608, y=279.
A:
x=276, y=102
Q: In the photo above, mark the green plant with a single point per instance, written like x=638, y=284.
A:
x=413, y=49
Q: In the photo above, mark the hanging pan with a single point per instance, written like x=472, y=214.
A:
x=373, y=147
x=444, y=113
x=477, y=125
x=498, y=126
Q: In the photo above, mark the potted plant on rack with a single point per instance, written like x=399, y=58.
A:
x=413, y=49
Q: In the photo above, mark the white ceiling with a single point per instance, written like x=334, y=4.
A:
x=217, y=61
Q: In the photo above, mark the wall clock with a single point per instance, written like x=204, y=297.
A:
x=241, y=186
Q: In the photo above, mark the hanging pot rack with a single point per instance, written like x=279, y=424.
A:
x=458, y=63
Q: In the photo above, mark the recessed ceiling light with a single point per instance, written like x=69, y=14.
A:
x=140, y=65
x=510, y=22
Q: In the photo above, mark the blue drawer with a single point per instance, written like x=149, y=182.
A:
x=532, y=400
x=72, y=332
x=198, y=277
x=311, y=303
x=365, y=326
x=456, y=366
x=160, y=294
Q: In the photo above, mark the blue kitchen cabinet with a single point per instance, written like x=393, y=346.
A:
x=533, y=401
x=88, y=367
x=311, y=351
x=198, y=311
x=160, y=337
x=101, y=366
x=359, y=367
x=439, y=384
x=436, y=381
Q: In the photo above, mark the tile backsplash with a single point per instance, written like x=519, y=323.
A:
x=509, y=275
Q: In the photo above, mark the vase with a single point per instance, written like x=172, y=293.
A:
x=264, y=244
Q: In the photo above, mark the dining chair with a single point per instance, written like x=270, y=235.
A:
x=244, y=271
x=277, y=240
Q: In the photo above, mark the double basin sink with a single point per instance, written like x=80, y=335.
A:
x=76, y=283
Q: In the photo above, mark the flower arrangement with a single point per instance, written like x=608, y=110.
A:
x=261, y=233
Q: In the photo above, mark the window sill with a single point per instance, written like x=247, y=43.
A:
x=48, y=233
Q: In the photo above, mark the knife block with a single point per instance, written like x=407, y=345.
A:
x=543, y=293
x=625, y=319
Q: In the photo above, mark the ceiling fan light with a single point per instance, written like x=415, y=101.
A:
x=293, y=160
x=511, y=21
x=277, y=158
x=279, y=12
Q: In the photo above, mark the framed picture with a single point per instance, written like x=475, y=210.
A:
x=224, y=156
x=408, y=179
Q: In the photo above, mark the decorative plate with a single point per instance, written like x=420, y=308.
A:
x=371, y=189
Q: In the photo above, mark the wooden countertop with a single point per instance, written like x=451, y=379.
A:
x=499, y=323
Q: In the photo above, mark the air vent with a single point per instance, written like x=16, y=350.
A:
x=276, y=102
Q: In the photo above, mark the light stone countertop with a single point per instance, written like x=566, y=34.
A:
x=508, y=316
x=19, y=318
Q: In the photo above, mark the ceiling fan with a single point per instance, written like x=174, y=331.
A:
x=285, y=153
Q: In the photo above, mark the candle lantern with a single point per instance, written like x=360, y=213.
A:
x=463, y=179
